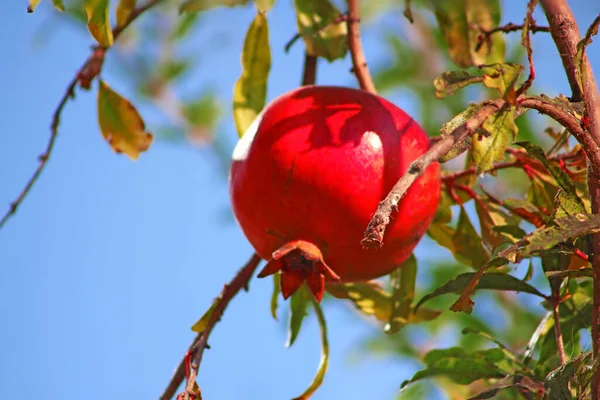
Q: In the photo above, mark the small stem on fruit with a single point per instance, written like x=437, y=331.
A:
x=309, y=74
x=239, y=281
x=359, y=61
x=373, y=237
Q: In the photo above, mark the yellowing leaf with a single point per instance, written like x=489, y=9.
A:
x=200, y=326
x=121, y=124
x=502, y=77
x=99, y=21
x=59, y=5
x=203, y=5
x=486, y=150
x=124, y=10
x=32, y=5
x=250, y=90
x=264, y=5
x=316, y=24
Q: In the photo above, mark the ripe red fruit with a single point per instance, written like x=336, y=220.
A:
x=308, y=175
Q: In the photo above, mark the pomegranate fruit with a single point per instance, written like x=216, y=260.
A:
x=308, y=174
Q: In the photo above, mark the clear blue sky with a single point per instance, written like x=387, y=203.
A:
x=108, y=263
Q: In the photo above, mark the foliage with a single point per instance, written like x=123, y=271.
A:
x=532, y=205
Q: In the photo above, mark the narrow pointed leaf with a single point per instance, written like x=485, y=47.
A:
x=324, y=363
x=467, y=244
x=298, y=305
x=124, y=10
x=520, y=382
x=250, y=90
x=32, y=5
x=99, y=21
x=121, y=124
x=403, y=281
x=200, y=326
x=461, y=366
x=264, y=5
x=317, y=25
x=557, y=381
x=59, y=5
x=203, y=5
x=275, y=295
x=368, y=297
x=490, y=281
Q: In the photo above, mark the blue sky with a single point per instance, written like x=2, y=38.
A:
x=108, y=263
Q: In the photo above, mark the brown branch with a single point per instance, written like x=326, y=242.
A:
x=510, y=27
x=359, y=61
x=239, y=281
x=526, y=41
x=88, y=71
x=557, y=330
x=374, y=233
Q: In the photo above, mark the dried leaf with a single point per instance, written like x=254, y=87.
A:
x=203, y=5
x=121, y=124
x=250, y=91
x=449, y=82
x=316, y=24
x=99, y=21
x=488, y=149
x=124, y=10
x=323, y=364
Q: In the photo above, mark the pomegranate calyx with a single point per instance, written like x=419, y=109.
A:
x=300, y=261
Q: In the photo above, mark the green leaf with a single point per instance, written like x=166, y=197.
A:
x=298, y=304
x=59, y=5
x=502, y=77
x=99, y=21
x=202, y=114
x=461, y=366
x=250, y=90
x=442, y=234
x=491, y=217
x=121, y=124
x=526, y=210
x=578, y=60
x=520, y=382
x=487, y=149
x=449, y=82
x=200, y=326
x=275, y=295
x=316, y=24
x=443, y=214
x=490, y=281
x=459, y=19
x=264, y=5
x=557, y=381
x=403, y=281
x=203, y=5
x=323, y=364
x=545, y=238
x=467, y=245
x=185, y=25
x=124, y=10
x=495, y=76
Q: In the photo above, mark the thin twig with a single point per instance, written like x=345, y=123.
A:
x=359, y=61
x=526, y=41
x=88, y=71
x=374, y=233
x=558, y=332
x=510, y=27
x=239, y=281
x=309, y=73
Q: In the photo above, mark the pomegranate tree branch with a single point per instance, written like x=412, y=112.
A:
x=309, y=74
x=510, y=27
x=373, y=237
x=88, y=71
x=558, y=332
x=239, y=281
x=359, y=61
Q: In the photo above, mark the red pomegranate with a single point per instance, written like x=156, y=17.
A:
x=308, y=175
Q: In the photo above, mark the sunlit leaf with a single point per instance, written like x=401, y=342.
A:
x=323, y=364
x=32, y=5
x=502, y=77
x=121, y=124
x=467, y=244
x=250, y=91
x=488, y=149
x=461, y=366
x=59, y=5
x=99, y=21
x=264, y=5
x=545, y=238
x=316, y=24
x=459, y=21
x=520, y=382
x=203, y=5
x=368, y=297
x=449, y=82
x=496, y=76
x=298, y=305
x=124, y=10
